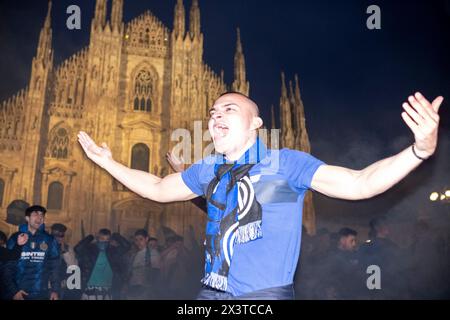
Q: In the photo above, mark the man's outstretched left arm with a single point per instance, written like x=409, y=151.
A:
x=422, y=118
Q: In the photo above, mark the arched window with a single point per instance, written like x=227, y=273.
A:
x=55, y=196
x=147, y=36
x=69, y=94
x=140, y=157
x=75, y=93
x=2, y=191
x=143, y=90
x=59, y=144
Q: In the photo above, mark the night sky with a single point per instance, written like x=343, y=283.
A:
x=353, y=80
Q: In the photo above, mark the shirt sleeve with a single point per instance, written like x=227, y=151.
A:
x=300, y=167
x=191, y=177
x=12, y=241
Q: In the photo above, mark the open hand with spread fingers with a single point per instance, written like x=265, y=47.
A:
x=177, y=164
x=100, y=155
x=422, y=118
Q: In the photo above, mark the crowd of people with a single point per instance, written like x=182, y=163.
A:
x=336, y=266
x=40, y=265
x=34, y=265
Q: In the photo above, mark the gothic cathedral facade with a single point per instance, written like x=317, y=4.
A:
x=130, y=87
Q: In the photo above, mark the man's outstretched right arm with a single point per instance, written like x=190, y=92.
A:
x=168, y=189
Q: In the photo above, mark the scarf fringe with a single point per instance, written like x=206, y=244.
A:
x=215, y=281
x=250, y=231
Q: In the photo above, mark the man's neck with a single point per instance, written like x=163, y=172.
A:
x=32, y=230
x=234, y=156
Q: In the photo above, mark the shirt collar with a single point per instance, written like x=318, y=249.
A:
x=253, y=155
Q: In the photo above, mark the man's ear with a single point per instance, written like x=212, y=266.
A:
x=27, y=218
x=257, y=122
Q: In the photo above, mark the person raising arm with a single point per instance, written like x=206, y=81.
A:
x=168, y=189
x=422, y=118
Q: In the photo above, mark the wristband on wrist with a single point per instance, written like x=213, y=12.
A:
x=415, y=154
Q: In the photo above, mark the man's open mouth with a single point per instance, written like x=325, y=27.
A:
x=220, y=130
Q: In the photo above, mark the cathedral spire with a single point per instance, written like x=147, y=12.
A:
x=272, y=118
x=116, y=14
x=44, y=49
x=179, y=23
x=194, y=20
x=283, y=101
x=238, y=42
x=283, y=86
x=301, y=135
x=240, y=83
x=298, y=98
x=297, y=87
x=291, y=93
x=285, y=116
x=47, y=23
x=293, y=107
x=100, y=14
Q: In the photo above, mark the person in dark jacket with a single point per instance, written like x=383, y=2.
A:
x=67, y=261
x=389, y=257
x=29, y=277
x=343, y=278
x=9, y=255
x=102, y=265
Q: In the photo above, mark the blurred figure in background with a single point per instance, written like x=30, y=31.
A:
x=175, y=269
x=428, y=268
x=313, y=251
x=67, y=258
x=102, y=265
x=7, y=255
x=343, y=276
x=143, y=268
x=386, y=254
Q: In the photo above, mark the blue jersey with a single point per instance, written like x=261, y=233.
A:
x=38, y=265
x=280, y=182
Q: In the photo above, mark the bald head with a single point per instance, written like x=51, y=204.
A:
x=233, y=124
x=244, y=101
